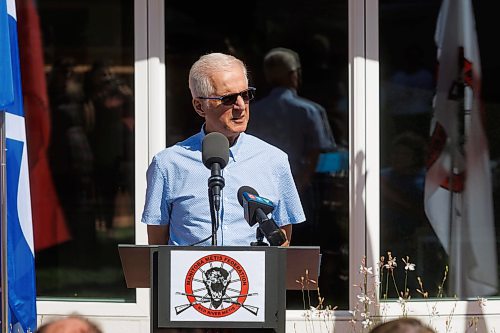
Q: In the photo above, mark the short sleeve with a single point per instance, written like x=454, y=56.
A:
x=156, y=208
x=321, y=135
x=288, y=209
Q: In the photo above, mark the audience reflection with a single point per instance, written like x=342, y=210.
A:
x=109, y=112
x=71, y=157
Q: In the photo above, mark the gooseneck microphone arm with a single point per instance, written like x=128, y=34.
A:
x=215, y=156
x=214, y=216
x=216, y=184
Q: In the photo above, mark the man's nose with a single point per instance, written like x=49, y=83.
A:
x=240, y=103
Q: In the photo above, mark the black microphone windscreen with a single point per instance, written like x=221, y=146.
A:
x=215, y=149
x=244, y=189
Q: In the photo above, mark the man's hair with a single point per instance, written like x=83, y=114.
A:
x=279, y=63
x=200, y=75
x=91, y=327
x=402, y=325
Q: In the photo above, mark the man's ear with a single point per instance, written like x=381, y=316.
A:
x=198, y=107
x=295, y=79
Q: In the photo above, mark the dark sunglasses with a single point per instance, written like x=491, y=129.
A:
x=230, y=99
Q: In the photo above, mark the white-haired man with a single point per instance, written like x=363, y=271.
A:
x=177, y=206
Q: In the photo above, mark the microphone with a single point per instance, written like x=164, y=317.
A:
x=256, y=209
x=215, y=155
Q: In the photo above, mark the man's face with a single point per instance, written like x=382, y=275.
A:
x=230, y=120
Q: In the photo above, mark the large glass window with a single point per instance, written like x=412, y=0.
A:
x=80, y=120
x=319, y=37
x=436, y=104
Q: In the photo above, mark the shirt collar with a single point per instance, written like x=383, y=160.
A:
x=233, y=150
x=202, y=133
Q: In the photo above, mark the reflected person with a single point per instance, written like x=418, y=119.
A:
x=294, y=124
x=71, y=158
x=108, y=102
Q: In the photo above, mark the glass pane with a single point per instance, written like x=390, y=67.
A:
x=80, y=119
x=438, y=175
x=320, y=39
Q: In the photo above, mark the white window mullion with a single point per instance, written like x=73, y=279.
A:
x=357, y=143
x=142, y=111
x=156, y=77
x=372, y=130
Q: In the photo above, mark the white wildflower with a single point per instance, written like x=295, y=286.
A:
x=365, y=270
x=482, y=302
x=408, y=265
x=363, y=298
x=391, y=263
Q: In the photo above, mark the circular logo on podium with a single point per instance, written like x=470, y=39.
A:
x=216, y=286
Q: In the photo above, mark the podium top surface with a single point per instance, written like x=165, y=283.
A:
x=135, y=261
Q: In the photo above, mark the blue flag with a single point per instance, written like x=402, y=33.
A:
x=20, y=249
x=6, y=89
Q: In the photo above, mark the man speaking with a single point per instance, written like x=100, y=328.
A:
x=178, y=208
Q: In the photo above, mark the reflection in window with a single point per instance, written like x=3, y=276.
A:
x=433, y=113
x=84, y=206
x=320, y=40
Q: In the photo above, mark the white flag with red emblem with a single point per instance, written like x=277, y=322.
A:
x=458, y=194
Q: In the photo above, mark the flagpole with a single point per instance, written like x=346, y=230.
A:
x=4, y=267
x=453, y=223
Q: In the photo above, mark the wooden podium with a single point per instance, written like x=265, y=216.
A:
x=243, y=288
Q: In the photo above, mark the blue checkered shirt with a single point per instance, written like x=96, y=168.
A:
x=177, y=190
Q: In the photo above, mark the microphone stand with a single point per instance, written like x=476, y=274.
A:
x=213, y=216
x=216, y=181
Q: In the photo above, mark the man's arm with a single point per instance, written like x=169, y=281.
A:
x=158, y=234
x=287, y=230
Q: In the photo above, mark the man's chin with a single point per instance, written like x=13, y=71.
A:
x=234, y=131
x=238, y=127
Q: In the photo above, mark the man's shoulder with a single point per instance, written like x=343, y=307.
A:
x=288, y=99
x=262, y=146
x=309, y=104
x=189, y=147
x=265, y=104
x=278, y=97
x=165, y=157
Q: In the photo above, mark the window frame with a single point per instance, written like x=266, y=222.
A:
x=364, y=161
x=371, y=134
x=149, y=117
